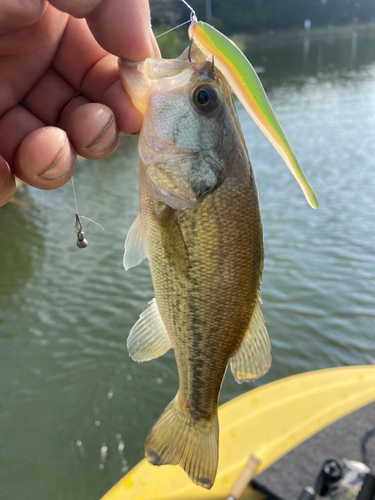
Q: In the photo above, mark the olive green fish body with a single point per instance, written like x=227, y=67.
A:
x=206, y=296
x=199, y=225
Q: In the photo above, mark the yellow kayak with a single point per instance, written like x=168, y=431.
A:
x=267, y=421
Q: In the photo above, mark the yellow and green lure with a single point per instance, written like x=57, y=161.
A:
x=245, y=83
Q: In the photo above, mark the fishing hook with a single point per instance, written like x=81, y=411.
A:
x=189, y=52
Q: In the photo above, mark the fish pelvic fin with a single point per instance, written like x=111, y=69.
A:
x=253, y=358
x=135, y=245
x=177, y=439
x=148, y=339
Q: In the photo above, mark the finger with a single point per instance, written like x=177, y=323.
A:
x=48, y=97
x=42, y=156
x=121, y=27
x=16, y=14
x=76, y=9
x=53, y=93
x=94, y=73
x=129, y=119
x=26, y=54
x=135, y=21
x=7, y=182
x=102, y=84
x=84, y=65
x=91, y=128
x=77, y=53
x=45, y=158
x=15, y=125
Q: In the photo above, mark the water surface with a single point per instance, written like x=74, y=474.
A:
x=74, y=409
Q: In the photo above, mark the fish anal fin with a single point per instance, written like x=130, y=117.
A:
x=253, y=358
x=177, y=439
x=148, y=339
x=135, y=245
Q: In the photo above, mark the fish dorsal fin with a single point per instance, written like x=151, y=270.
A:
x=253, y=358
x=148, y=339
x=135, y=245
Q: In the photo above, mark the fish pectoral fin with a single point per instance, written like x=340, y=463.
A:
x=253, y=358
x=177, y=439
x=135, y=244
x=148, y=339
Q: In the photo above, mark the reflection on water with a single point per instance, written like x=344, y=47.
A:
x=291, y=59
x=74, y=409
x=19, y=257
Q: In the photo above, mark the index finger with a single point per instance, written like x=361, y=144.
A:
x=121, y=27
x=92, y=72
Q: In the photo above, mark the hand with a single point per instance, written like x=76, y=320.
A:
x=49, y=54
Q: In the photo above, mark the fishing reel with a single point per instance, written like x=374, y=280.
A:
x=350, y=480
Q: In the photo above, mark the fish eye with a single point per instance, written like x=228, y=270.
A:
x=206, y=98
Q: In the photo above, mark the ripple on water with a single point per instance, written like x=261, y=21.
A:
x=66, y=313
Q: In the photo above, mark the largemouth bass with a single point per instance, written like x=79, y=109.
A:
x=199, y=225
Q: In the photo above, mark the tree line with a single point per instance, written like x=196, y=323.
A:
x=255, y=16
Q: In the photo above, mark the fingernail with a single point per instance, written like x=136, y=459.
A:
x=106, y=137
x=55, y=171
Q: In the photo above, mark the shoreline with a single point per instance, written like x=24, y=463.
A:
x=173, y=43
x=274, y=35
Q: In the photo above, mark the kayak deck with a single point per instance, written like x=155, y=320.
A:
x=268, y=421
x=350, y=437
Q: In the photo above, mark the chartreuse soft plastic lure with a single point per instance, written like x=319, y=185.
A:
x=245, y=83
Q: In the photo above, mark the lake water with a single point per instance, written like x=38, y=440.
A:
x=74, y=408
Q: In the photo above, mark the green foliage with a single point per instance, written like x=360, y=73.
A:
x=254, y=16
x=172, y=44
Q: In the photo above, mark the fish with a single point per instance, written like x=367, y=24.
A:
x=200, y=227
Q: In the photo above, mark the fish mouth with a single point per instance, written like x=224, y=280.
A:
x=135, y=84
x=142, y=80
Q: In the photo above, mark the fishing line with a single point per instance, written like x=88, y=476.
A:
x=193, y=16
x=81, y=240
x=193, y=19
x=74, y=194
x=179, y=26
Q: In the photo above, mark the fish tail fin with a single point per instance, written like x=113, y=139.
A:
x=177, y=439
